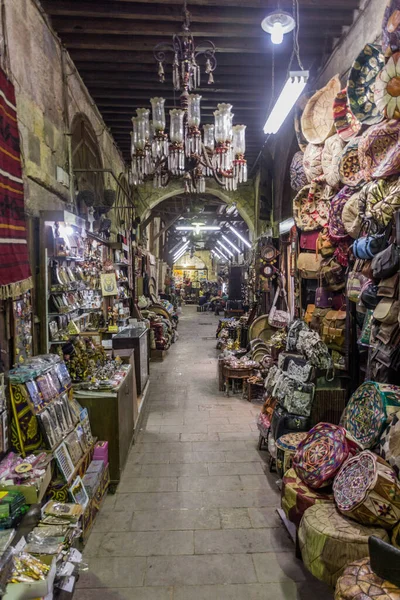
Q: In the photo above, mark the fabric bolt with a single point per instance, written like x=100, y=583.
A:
x=15, y=273
x=337, y=230
x=317, y=119
x=349, y=164
x=329, y=542
x=331, y=154
x=351, y=218
x=297, y=497
x=312, y=161
x=389, y=444
x=298, y=178
x=361, y=84
x=367, y=490
x=379, y=150
x=286, y=447
x=346, y=125
x=367, y=411
x=391, y=28
x=359, y=582
x=387, y=89
x=321, y=454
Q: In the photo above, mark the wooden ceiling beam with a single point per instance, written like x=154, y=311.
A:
x=110, y=93
x=198, y=14
x=264, y=4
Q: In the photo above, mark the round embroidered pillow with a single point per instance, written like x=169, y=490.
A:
x=298, y=177
x=367, y=490
x=351, y=218
x=312, y=161
x=379, y=150
x=359, y=582
x=347, y=126
x=349, y=166
x=297, y=497
x=331, y=154
x=321, y=454
x=286, y=447
x=317, y=119
x=389, y=444
x=337, y=230
x=391, y=28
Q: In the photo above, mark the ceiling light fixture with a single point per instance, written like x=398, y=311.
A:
x=238, y=250
x=246, y=242
x=198, y=228
x=229, y=252
x=185, y=245
x=277, y=24
x=291, y=92
x=216, y=253
x=222, y=254
x=179, y=256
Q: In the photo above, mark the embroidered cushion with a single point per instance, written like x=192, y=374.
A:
x=349, y=166
x=361, y=84
x=391, y=28
x=286, y=447
x=329, y=542
x=387, y=93
x=337, y=230
x=298, y=177
x=351, y=218
x=347, y=126
x=379, y=150
x=297, y=497
x=383, y=200
x=331, y=153
x=367, y=490
x=312, y=161
x=366, y=413
x=317, y=118
x=321, y=454
x=298, y=111
x=359, y=582
x=389, y=444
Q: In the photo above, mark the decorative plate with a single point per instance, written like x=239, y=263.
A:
x=298, y=178
x=269, y=252
x=260, y=328
x=317, y=119
x=347, y=126
x=361, y=84
x=387, y=88
x=391, y=28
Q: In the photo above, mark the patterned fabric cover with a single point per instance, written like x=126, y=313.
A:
x=312, y=161
x=386, y=96
x=331, y=154
x=321, y=454
x=390, y=28
x=297, y=497
x=367, y=411
x=349, y=166
x=347, y=126
x=337, y=229
x=317, y=118
x=302, y=209
x=329, y=541
x=351, y=218
x=361, y=84
x=298, y=177
x=286, y=447
x=389, y=444
x=379, y=151
x=367, y=490
x=359, y=582
x=380, y=199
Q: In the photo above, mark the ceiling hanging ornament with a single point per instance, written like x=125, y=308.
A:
x=185, y=152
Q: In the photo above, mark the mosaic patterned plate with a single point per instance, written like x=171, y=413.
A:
x=361, y=84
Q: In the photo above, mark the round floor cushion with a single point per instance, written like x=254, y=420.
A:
x=286, y=447
x=367, y=489
x=359, y=582
x=366, y=413
x=329, y=541
x=389, y=444
x=321, y=454
x=297, y=497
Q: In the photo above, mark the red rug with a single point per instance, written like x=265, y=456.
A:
x=15, y=273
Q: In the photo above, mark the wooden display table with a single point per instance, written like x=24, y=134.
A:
x=235, y=374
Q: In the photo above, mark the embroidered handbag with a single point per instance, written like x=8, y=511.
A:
x=387, y=311
x=300, y=370
x=311, y=345
x=279, y=318
x=317, y=319
x=293, y=333
x=323, y=298
x=386, y=263
x=332, y=273
x=334, y=329
x=308, y=265
x=300, y=401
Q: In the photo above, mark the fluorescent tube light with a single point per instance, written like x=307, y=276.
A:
x=240, y=236
x=229, y=252
x=184, y=228
x=199, y=228
x=179, y=256
x=238, y=250
x=291, y=92
x=286, y=225
x=216, y=252
x=222, y=254
x=185, y=245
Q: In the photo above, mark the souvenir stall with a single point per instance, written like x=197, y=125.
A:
x=330, y=418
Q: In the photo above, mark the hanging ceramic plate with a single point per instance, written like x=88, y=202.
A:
x=391, y=28
x=268, y=253
x=317, y=119
x=346, y=125
x=261, y=345
x=259, y=355
x=160, y=310
x=387, y=88
x=361, y=84
x=253, y=343
x=260, y=328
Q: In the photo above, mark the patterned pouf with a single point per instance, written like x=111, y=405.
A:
x=367, y=490
x=367, y=411
x=321, y=454
x=359, y=582
x=286, y=447
x=329, y=541
x=297, y=497
x=389, y=444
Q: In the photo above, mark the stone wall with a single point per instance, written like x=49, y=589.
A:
x=46, y=106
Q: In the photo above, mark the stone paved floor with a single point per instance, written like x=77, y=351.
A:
x=194, y=515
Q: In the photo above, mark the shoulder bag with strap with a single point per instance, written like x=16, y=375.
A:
x=279, y=318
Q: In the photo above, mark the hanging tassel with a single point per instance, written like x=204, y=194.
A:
x=210, y=78
x=161, y=72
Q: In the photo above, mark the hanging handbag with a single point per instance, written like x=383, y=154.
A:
x=369, y=295
x=324, y=245
x=300, y=401
x=355, y=282
x=300, y=370
x=366, y=269
x=308, y=240
x=308, y=265
x=386, y=263
x=333, y=274
x=388, y=288
x=293, y=333
x=279, y=319
x=387, y=311
x=334, y=330
x=317, y=319
x=370, y=245
x=385, y=560
x=323, y=298
x=309, y=313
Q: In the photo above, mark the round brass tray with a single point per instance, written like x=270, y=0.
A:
x=260, y=328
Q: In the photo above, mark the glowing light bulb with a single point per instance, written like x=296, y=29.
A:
x=277, y=33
